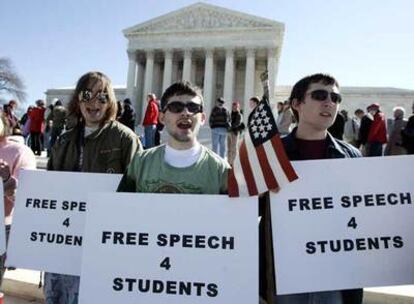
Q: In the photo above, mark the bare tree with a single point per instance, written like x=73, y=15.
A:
x=10, y=81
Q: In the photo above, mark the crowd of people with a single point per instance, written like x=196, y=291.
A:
x=96, y=133
x=368, y=131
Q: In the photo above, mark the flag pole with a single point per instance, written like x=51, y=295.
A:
x=265, y=230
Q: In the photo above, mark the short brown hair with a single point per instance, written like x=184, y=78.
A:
x=255, y=99
x=73, y=106
x=180, y=88
x=300, y=88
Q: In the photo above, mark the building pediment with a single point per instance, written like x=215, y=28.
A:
x=201, y=16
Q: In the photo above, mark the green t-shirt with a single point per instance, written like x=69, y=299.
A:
x=148, y=172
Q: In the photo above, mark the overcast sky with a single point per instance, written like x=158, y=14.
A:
x=361, y=42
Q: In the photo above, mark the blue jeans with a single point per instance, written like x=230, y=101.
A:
x=149, y=133
x=218, y=137
x=61, y=288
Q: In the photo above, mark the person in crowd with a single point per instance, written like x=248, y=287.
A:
x=338, y=127
x=119, y=109
x=314, y=101
x=408, y=134
x=171, y=168
x=37, y=126
x=127, y=117
x=56, y=121
x=253, y=102
x=25, y=124
x=13, y=157
x=9, y=112
x=394, y=145
x=351, y=129
x=48, y=129
x=365, y=126
x=236, y=128
x=279, y=107
x=285, y=119
x=377, y=135
x=96, y=143
x=150, y=120
x=219, y=122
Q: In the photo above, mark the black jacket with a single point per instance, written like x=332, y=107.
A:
x=336, y=148
x=219, y=118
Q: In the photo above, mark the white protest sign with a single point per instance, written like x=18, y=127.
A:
x=170, y=248
x=2, y=230
x=49, y=219
x=345, y=223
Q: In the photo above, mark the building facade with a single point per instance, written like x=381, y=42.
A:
x=223, y=52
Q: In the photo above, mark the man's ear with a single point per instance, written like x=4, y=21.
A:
x=295, y=104
x=203, y=118
x=161, y=117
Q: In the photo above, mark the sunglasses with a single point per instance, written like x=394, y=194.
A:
x=178, y=107
x=322, y=95
x=87, y=96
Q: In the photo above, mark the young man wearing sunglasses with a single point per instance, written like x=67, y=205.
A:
x=315, y=101
x=182, y=165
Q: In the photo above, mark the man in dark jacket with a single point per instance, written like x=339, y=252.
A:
x=408, y=134
x=56, y=121
x=219, y=123
x=315, y=100
x=128, y=115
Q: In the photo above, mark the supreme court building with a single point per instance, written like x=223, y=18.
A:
x=223, y=52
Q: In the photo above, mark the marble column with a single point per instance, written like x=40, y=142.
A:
x=208, y=80
x=131, y=79
x=249, y=80
x=272, y=68
x=166, y=81
x=149, y=75
x=229, y=76
x=139, y=89
x=187, y=65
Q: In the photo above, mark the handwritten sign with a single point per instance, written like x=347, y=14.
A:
x=346, y=223
x=170, y=248
x=49, y=219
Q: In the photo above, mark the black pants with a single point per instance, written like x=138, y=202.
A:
x=36, y=142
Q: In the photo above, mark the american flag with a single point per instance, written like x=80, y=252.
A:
x=262, y=163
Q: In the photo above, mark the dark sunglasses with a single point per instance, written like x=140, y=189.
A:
x=322, y=95
x=86, y=96
x=178, y=107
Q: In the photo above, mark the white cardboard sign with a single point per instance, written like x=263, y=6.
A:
x=49, y=219
x=170, y=248
x=345, y=223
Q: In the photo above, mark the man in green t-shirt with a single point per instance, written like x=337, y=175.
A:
x=182, y=165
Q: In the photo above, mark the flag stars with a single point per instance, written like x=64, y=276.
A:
x=264, y=134
x=254, y=128
x=256, y=134
x=269, y=127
